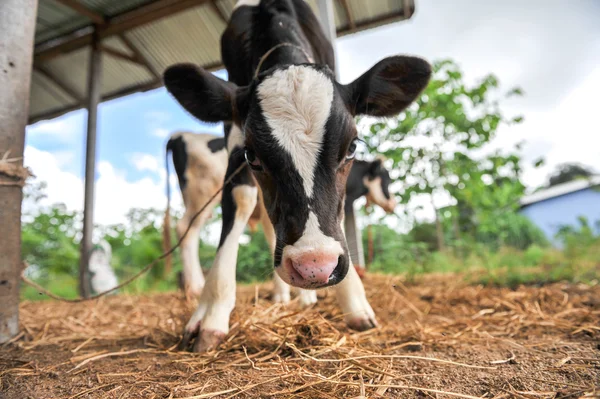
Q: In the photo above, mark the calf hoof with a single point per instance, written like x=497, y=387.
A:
x=361, y=323
x=307, y=298
x=207, y=340
x=189, y=334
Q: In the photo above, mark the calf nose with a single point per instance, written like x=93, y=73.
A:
x=315, y=268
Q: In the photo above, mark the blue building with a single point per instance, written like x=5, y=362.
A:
x=562, y=205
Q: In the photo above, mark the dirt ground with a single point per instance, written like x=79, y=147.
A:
x=437, y=338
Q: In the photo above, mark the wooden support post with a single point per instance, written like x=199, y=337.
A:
x=94, y=93
x=17, y=25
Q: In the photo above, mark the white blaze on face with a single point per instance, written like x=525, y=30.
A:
x=313, y=239
x=251, y=3
x=296, y=103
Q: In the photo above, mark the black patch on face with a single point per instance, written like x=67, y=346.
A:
x=216, y=145
x=177, y=147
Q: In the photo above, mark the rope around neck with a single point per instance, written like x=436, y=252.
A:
x=272, y=49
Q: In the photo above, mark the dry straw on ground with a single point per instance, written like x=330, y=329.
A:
x=438, y=339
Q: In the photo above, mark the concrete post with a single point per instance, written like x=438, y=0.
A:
x=17, y=27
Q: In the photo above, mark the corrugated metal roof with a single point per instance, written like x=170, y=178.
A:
x=162, y=32
x=54, y=19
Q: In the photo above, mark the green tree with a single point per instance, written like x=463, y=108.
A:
x=50, y=241
x=438, y=146
x=568, y=172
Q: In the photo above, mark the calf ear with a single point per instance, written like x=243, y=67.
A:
x=201, y=93
x=388, y=87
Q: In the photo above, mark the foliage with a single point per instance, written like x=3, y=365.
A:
x=439, y=146
x=254, y=260
x=568, y=172
x=49, y=242
x=505, y=266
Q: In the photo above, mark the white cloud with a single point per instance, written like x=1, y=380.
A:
x=143, y=162
x=114, y=194
x=160, y=132
x=64, y=187
x=156, y=120
x=64, y=158
x=64, y=129
x=157, y=117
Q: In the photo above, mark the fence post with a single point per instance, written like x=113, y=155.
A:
x=17, y=26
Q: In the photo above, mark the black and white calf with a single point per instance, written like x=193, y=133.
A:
x=293, y=124
x=200, y=162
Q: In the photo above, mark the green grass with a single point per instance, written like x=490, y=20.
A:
x=505, y=267
x=62, y=285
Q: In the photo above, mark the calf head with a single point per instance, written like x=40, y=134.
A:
x=377, y=181
x=299, y=139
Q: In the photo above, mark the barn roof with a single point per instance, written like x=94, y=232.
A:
x=560, y=190
x=140, y=38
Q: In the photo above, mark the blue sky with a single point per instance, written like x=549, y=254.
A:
x=548, y=47
x=128, y=127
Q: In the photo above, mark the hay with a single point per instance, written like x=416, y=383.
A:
x=438, y=339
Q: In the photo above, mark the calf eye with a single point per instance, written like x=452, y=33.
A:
x=252, y=160
x=352, y=150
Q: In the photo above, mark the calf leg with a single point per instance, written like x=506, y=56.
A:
x=281, y=291
x=351, y=296
x=306, y=297
x=193, y=279
x=210, y=321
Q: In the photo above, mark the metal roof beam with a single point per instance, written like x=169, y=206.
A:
x=83, y=10
x=55, y=113
x=120, y=55
x=348, y=12
x=143, y=60
x=115, y=25
x=59, y=83
x=218, y=11
x=406, y=9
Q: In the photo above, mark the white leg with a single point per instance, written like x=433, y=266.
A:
x=211, y=318
x=306, y=298
x=352, y=299
x=281, y=290
x=192, y=272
